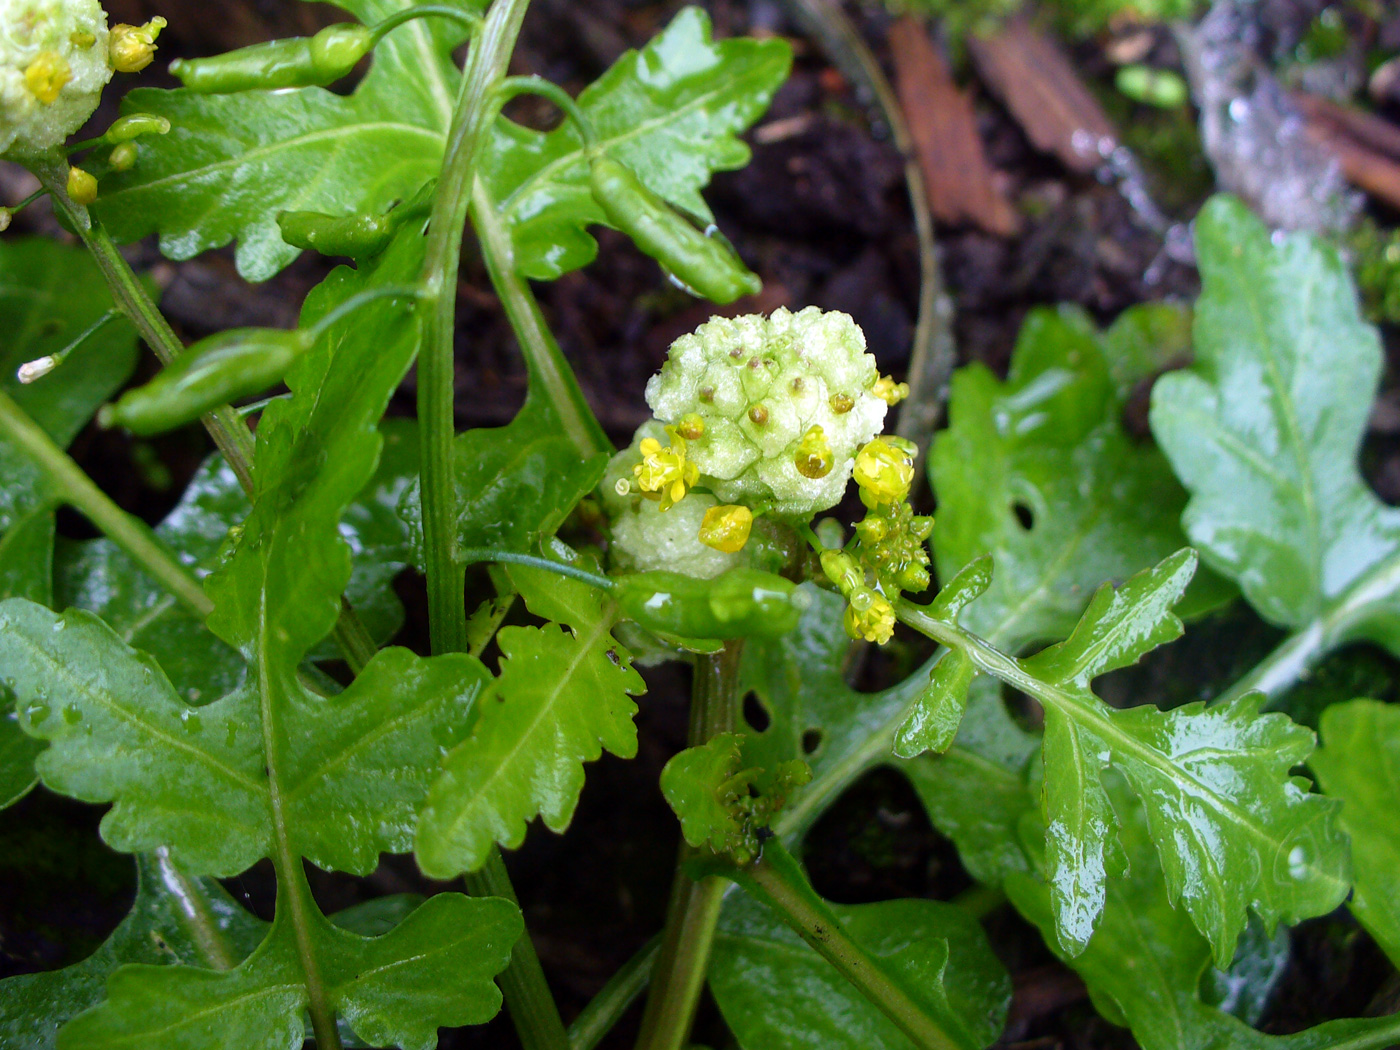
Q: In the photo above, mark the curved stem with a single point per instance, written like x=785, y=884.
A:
x=369, y=295
x=78, y=490
x=471, y=555
x=549, y=371
x=381, y=29
x=510, y=87
x=606, y=1008
x=678, y=975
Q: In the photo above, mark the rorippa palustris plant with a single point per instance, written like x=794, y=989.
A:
x=1157, y=848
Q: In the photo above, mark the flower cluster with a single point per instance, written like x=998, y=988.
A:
x=54, y=63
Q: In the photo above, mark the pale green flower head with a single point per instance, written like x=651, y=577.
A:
x=53, y=67
x=778, y=405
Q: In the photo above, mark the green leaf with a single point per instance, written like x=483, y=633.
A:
x=515, y=484
x=933, y=721
x=1359, y=763
x=176, y=918
x=433, y=969
x=1145, y=963
x=672, y=112
x=561, y=697
x=1264, y=431
x=231, y=163
x=692, y=783
x=352, y=769
x=1233, y=829
x=777, y=993
x=1048, y=444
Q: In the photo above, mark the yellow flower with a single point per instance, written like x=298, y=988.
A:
x=133, y=47
x=726, y=528
x=46, y=75
x=82, y=187
x=664, y=473
x=884, y=472
x=870, y=616
x=888, y=391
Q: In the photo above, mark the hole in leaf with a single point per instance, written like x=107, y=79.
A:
x=1024, y=710
x=1024, y=515
x=755, y=714
x=811, y=740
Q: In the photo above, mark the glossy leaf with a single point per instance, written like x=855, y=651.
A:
x=1234, y=830
x=515, y=484
x=777, y=993
x=231, y=163
x=1359, y=763
x=561, y=697
x=672, y=112
x=1048, y=446
x=49, y=294
x=938, y=711
x=433, y=969
x=352, y=769
x=1264, y=430
x=1145, y=963
x=692, y=783
x=176, y=918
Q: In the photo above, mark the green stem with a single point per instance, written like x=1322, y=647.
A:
x=472, y=555
x=778, y=882
x=606, y=1008
x=536, y=85
x=228, y=429
x=75, y=488
x=549, y=371
x=472, y=22
x=532, y=1008
x=193, y=911
x=678, y=975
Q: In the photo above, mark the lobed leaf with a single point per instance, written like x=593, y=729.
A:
x=1145, y=964
x=1264, y=431
x=176, y=918
x=231, y=163
x=433, y=969
x=1359, y=764
x=671, y=111
x=560, y=698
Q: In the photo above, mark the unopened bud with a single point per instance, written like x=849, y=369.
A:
x=133, y=47
x=36, y=369
x=82, y=187
x=123, y=157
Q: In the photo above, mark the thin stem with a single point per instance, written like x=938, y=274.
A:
x=472, y=555
x=42, y=366
x=77, y=489
x=549, y=371
x=781, y=886
x=369, y=295
x=536, y=85
x=606, y=1008
x=678, y=975
x=228, y=429
x=532, y=1008
x=379, y=30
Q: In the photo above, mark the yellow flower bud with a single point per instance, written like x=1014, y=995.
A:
x=814, y=458
x=133, y=47
x=664, y=473
x=726, y=528
x=884, y=472
x=82, y=187
x=46, y=75
x=888, y=391
x=841, y=569
x=870, y=616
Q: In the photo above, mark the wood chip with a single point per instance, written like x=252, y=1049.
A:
x=1367, y=146
x=1037, y=83
x=961, y=184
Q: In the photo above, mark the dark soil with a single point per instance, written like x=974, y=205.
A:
x=822, y=214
